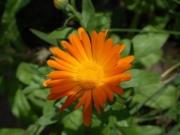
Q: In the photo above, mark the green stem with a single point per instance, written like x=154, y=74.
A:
x=144, y=31
x=139, y=106
x=170, y=70
x=73, y=3
x=135, y=20
x=74, y=12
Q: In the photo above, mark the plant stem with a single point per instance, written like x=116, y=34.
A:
x=139, y=106
x=74, y=12
x=144, y=31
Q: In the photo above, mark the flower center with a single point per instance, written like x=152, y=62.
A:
x=90, y=74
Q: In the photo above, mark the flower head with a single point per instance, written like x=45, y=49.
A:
x=88, y=69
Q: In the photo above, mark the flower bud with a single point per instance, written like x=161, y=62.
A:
x=60, y=4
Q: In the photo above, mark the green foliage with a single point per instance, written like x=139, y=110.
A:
x=147, y=46
x=11, y=131
x=92, y=20
x=21, y=106
x=53, y=37
x=150, y=105
x=9, y=31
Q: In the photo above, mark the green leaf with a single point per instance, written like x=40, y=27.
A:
x=21, y=106
x=127, y=43
x=166, y=99
x=141, y=130
x=11, y=131
x=111, y=128
x=87, y=12
x=151, y=59
x=147, y=43
x=47, y=118
x=48, y=114
x=99, y=21
x=73, y=120
x=146, y=84
x=53, y=37
x=91, y=20
x=141, y=78
x=26, y=72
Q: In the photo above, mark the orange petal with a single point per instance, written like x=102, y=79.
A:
x=120, y=48
x=63, y=87
x=93, y=42
x=87, y=114
x=85, y=41
x=75, y=41
x=70, y=100
x=126, y=60
x=99, y=98
x=96, y=102
x=108, y=93
x=59, y=75
x=54, y=64
x=119, y=69
x=65, y=65
x=118, y=78
x=64, y=93
x=63, y=55
x=85, y=100
x=117, y=90
x=50, y=82
x=100, y=45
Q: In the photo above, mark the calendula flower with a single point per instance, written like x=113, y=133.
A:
x=89, y=70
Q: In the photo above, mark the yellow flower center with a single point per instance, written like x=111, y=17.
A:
x=89, y=74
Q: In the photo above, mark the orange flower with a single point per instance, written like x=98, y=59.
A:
x=89, y=70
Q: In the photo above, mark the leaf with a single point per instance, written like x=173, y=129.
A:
x=166, y=99
x=11, y=131
x=151, y=59
x=141, y=130
x=147, y=43
x=146, y=84
x=53, y=37
x=127, y=43
x=21, y=106
x=141, y=78
x=73, y=120
x=87, y=12
x=26, y=72
x=129, y=127
x=99, y=21
x=48, y=114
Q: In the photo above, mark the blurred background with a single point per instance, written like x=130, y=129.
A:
x=150, y=29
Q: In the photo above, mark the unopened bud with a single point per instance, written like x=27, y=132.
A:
x=61, y=4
